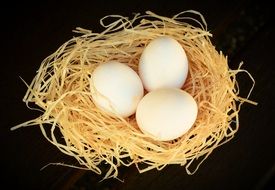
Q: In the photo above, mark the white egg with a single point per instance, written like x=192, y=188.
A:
x=166, y=114
x=163, y=63
x=116, y=88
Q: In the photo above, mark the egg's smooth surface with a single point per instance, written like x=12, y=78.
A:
x=163, y=64
x=116, y=88
x=166, y=114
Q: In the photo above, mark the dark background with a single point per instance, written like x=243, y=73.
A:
x=243, y=30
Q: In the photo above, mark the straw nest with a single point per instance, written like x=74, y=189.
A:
x=61, y=89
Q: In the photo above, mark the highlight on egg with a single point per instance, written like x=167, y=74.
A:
x=166, y=114
x=163, y=64
x=116, y=88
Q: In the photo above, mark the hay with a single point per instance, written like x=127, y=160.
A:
x=61, y=89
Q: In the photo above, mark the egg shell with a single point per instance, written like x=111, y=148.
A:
x=166, y=114
x=163, y=64
x=116, y=88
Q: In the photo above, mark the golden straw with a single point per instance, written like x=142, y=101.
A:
x=61, y=89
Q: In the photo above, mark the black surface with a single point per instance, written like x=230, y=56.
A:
x=242, y=29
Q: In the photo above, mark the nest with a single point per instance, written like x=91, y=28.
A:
x=61, y=89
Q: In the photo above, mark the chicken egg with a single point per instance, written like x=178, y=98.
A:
x=166, y=114
x=116, y=88
x=163, y=64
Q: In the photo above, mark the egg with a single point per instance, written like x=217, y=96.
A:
x=116, y=88
x=163, y=64
x=166, y=114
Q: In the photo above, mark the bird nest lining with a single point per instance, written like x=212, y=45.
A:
x=61, y=89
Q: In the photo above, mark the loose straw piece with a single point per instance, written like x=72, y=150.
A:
x=61, y=89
